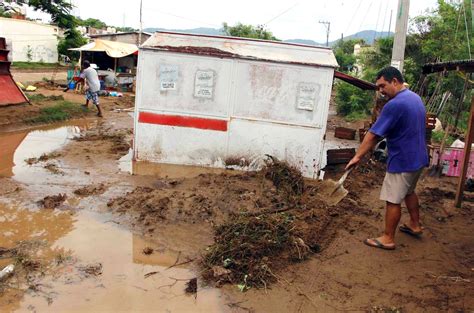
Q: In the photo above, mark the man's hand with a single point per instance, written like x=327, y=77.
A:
x=353, y=162
x=367, y=144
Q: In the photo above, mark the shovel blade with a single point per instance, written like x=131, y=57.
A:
x=331, y=193
x=337, y=195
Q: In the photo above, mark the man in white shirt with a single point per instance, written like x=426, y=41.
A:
x=92, y=86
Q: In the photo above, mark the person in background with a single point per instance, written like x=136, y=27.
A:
x=92, y=86
x=402, y=123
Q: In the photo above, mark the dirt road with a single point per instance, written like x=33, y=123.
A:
x=31, y=77
x=128, y=236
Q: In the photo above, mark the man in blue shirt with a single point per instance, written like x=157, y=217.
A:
x=402, y=123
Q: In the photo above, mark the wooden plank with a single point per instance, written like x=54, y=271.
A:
x=344, y=133
x=465, y=161
x=339, y=156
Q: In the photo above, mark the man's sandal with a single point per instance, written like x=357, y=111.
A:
x=407, y=230
x=374, y=243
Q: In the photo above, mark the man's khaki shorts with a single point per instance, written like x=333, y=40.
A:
x=396, y=186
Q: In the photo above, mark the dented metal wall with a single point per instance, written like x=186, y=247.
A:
x=204, y=106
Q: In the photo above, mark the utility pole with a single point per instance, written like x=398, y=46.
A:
x=399, y=41
x=472, y=14
x=326, y=24
x=141, y=25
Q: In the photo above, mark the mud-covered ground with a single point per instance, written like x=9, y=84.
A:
x=101, y=226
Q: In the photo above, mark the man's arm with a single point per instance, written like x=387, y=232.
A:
x=369, y=142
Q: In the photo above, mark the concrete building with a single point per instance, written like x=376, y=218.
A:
x=128, y=37
x=202, y=100
x=30, y=41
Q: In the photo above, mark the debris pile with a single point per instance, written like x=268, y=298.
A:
x=246, y=248
x=120, y=146
x=51, y=202
x=286, y=178
x=90, y=190
x=263, y=221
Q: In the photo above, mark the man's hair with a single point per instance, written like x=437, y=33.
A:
x=86, y=64
x=390, y=73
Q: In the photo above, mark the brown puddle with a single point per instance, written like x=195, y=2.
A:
x=18, y=146
x=90, y=238
x=126, y=164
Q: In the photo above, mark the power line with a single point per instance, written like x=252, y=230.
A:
x=287, y=10
x=365, y=16
x=352, y=19
x=384, y=18
x=183, y=17
x=377, y=24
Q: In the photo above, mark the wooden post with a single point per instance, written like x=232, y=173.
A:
x=467, y=153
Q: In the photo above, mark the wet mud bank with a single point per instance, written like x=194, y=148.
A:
x=166, y=236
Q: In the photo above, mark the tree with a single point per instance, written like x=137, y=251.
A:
x=344, y=52
x=93, y=22
x=60, y=15
x=435, y=36
x=351, y=100
x=442, y=31
x=126, y=29
x=248, y=31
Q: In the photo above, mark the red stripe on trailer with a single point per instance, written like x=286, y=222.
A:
x=182, y=121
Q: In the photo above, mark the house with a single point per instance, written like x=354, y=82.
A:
x=202, y=100
x=30, y=41
x=127, y=37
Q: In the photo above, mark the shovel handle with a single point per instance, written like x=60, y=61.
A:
x=344, y=176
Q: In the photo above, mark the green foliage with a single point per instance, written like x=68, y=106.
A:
x=126, y=29
x=62, y=111
x=74, y=40
x=344, y=52
x=437, y=137
x=92, y=22
x=40, y=97
x=435, y=36
x=441, y=33
x=33, y=65
x=350, y=99
x=248, y=31
x=4, y=14
x=29, y=53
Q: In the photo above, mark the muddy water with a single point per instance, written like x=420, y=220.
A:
x=84, y=236
x=126, y=164
x=18, y=146
x=92, y=239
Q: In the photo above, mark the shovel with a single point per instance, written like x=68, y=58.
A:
x=333, y=192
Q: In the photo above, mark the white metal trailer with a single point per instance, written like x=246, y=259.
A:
x=202, y=100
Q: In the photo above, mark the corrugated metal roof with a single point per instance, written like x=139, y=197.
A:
x=119, y=34
x=362, y=84
x=456, y=65
x=244, y=48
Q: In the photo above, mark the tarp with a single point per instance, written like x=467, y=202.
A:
x=10, y=93
x=113, y=49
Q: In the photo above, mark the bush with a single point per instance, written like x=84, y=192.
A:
x=437, y=137
x=350, y=99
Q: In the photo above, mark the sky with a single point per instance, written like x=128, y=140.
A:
x=288, y=19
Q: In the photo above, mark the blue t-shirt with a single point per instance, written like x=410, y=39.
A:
x=402, y=122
